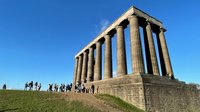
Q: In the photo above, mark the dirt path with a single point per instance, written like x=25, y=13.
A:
x=91, y=100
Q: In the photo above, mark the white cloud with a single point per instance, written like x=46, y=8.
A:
x=104, y=24
x=101, y=26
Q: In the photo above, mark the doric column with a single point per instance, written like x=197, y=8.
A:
x=151, y=59
x=98, y=60
x=121, y=51
x=90, y=72
x=108, y=58
x=84, y=67
x=80, y=59
x=136, y=47
x=75, y=73
x=167, y=68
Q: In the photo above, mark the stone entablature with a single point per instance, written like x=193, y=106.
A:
x=123, y=19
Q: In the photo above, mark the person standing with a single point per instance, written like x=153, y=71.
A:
x=36, y=86
x=26, y=86
x=83, y=88
x=61, y=88
x=39, y=86
x=97, y=89
x=70, y=88
x=4, y=87
x=51, y=87
x=56, y=87
x=92, y=89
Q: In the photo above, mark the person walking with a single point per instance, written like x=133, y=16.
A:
x=31, y=85
x=26, y=86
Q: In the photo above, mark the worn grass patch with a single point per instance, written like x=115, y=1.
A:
x=34, y=101
x=116, y=102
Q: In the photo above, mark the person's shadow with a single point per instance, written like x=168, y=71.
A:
x=5, y=110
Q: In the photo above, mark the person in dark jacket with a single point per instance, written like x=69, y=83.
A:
x=4, y=87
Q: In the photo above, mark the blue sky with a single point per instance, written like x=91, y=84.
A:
x=39, y=38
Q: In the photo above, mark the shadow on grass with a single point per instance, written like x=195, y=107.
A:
x=5, y=110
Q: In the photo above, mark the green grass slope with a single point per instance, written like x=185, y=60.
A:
x=118, y=103
x=34, y=101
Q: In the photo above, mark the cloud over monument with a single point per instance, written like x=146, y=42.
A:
x=101, y=26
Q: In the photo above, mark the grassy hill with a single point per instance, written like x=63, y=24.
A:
x=34, y=101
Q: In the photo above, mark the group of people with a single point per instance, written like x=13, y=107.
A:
x=30, y=85
x=62, y=87
x=80, y=88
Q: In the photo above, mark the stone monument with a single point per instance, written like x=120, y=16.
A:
x=151, y=90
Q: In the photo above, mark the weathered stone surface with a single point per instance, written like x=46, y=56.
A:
x=90, y=65
x=98, y=62
x=84, y=67
x=79, y=69
x=151, y=59
x=127, y=87
x=152, y=93
x=108, y=58
x=75, y=73
x=164, y=51
x=121, y=52
x=165, y=95
x=136, y=47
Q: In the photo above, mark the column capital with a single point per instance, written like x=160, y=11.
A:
x=85, y=52
x=108, y=36
x=80, y=55
x=98, y=42
x=91, y=48
x=162, y=29
x=148, y=21
x=132, y=16
x=120, y=26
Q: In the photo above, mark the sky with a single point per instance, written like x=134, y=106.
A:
x=39, y=38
